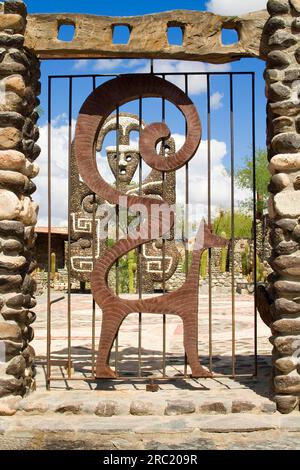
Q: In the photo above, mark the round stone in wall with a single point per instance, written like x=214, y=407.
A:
x=285, y=162
x=286, y=142
x=278, y=91
x=296, y=5
x=287, y=204
x=10, y=205
x=279, y=182
x=277, y=7
x=278, y=59
x=287, y=403
x=275, y=23
x=282, y=39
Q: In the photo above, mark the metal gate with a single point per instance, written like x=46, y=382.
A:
x=68, y=363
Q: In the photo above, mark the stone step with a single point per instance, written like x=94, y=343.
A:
x=205, y=432
x=137, y=403
x=147, y=425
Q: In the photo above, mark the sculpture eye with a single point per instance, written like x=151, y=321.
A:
x=114, y=156
x=128, y=158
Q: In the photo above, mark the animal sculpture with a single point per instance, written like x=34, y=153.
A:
x=156, y=217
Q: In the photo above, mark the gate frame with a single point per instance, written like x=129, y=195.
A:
x=185, y=76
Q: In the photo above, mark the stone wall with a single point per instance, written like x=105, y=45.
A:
x=19, y=85
x=283, y=114
x=221, y=281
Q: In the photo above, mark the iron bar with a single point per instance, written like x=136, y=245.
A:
x=69, y=227
x=166, y=74
x=186, y=222
x=117, y=227
x=94, y=259
x=151, y=66
x=48, y=378
x=232, y=168
x=55, y=301
x=210, y=315
x=164, y=244
x=146, y=379
x=139, y=273
x=254, y=223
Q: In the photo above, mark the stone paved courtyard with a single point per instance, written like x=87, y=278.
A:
x=127, y=395
x=152, y=343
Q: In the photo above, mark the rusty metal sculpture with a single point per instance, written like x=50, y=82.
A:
x=183, y=302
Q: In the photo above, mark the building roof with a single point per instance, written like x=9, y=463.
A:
x=54, y=230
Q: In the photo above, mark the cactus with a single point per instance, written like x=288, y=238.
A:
x=53, y=266
x=203, y=269
x=186, y=263
x=223, y=256
x=260, y=274
x=131, y=271
x=246, y=261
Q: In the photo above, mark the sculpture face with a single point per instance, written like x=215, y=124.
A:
x=125, y=166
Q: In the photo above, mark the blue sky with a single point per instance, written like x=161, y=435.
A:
x=219, y=84
x=114, y=8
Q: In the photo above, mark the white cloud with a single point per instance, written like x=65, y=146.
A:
x=59, y=159
x=100, y=65
x=107, y=65
x=198, y=178
x=235, y=7
x=59, y=173
x=197, y=84
x=216, y=100
x=81, y=64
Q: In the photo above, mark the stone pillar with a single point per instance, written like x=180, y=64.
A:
x=283, y=93
x=19, y=86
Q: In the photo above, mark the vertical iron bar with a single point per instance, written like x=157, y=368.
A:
x=117, y=230
x=164, y=246
x=210, y=322
x=151, y=66
x=254, y=223
x=140, y=277
x=49, y=239
x=69, y=228
x=186, y=222
x=94, y=259
x=232, y=228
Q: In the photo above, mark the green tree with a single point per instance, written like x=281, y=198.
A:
x=242, y=224
x=244, y=179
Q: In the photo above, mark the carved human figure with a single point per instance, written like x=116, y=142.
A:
x=158, y=262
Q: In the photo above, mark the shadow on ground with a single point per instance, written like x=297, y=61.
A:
x=152, y=368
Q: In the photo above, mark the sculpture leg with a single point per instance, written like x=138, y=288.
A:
x=111, y=322
x=190, y=331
